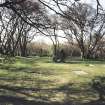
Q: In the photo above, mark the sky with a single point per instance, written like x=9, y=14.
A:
x=60, y=33
x=47, y=40
x=93, y=2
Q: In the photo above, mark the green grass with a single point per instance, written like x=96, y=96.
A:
x=40, y=78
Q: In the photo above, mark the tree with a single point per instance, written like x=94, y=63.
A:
x=87, y=31
x=16, y=31
x=15, y=5
x=62, y=55
x=52, y=34
x=33, y=13
x=26, y=10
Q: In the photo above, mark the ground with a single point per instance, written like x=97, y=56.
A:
x=39, y=81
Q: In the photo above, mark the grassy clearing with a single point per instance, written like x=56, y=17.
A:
x=40, y=78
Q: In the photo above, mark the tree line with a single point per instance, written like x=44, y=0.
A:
x=82, y=25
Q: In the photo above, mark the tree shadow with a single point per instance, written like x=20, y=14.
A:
x=9, y=100
x=85, y=62
x=42, y=95
x=66, y=89
x=97, y=102
x=17, y=100
x=98, y=85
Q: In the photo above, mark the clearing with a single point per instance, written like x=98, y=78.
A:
x=37, y=81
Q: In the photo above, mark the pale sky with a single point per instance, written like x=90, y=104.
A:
x=60, y=33
x=93, y=2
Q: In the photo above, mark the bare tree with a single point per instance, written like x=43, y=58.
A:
x=15, y=30
x=88, y=30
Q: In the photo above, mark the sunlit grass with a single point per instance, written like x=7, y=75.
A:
x=42, y=73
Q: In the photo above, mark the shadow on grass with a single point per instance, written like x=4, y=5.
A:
x=97, y=102
x=16, y=100
x=39, y=95
x=85, y=62
x=9, y=100
x=41, y=100
x=31, y=70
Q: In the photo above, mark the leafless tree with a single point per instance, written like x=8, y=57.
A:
x=88, y=30
x=16, y=31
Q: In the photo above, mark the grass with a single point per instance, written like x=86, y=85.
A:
x=40, y=79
